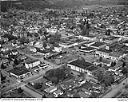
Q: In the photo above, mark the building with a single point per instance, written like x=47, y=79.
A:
x=83, y=94
x=109, y=54
x=87, y=49
x=57, y=93
x=111, y=39
x=67, y=44
x=125, y=43
x=20, y=72
x=88, y=38
x=103, y=53
x=98, y=45
x=30, y=63
x=51, y=89
x=106, y=62
x=80, y=65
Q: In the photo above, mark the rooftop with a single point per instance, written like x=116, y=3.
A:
x=98, y=44
x=83, y=94
x=29, y=60
x=88, y=48
x=81, y=63
x=19, y=71
x=104, y=50
x=91, y=68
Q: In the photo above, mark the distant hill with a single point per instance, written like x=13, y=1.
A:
x=41, y=4
x=69, y=3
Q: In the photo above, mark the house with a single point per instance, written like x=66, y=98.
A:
x=80, y=65
x=125, y=43
x=83, y=94
x=30, y=63
x=109, y=54
x=88, y=43
x=86, y=91
x=111, y=39
x=68, y=85
x=106, y=62
x=98, y=45
x=103, y=53
x=57, y=93
x=19, y=72
x=87, y=49
x=51, y=89
x=67, y=44
x=58, y=49
x=90, y=38
x=33, y=49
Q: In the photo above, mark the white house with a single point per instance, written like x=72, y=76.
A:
x=82, y=66
x=30, y=63
x=50, y=89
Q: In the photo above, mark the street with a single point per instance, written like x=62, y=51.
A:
x=32, y=78
x=116, y=89
x=31, y=92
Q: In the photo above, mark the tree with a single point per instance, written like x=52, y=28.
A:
x=3, y=66
x=44, y=96
x=44, y=44
x=125, y=70
x=56, y=75
x=19, y=90
x=100, y=59
x=2, y=77
x=23, y=40
x=54, y=80
x=108, y=78
x=94, y=95
x=108, y=32
x=124, y=64
x=16, y=62
x=37, y=86
x=99, y=74
x=113, y=64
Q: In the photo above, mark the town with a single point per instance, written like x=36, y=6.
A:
x=64, y=53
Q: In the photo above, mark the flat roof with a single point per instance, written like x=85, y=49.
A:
x=111, y=38
x=88, y=48
x=19, y=71
x=91, y=68
x=87, y=42
x=98, y=44
x=29, y=60
x=81, y=63
x=104, y=50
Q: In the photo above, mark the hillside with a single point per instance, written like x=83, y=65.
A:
x=69, y=3
x=41, y=4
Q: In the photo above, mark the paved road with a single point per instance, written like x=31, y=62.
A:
x=31, y=92
x=32, y=78
x=116, y=89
